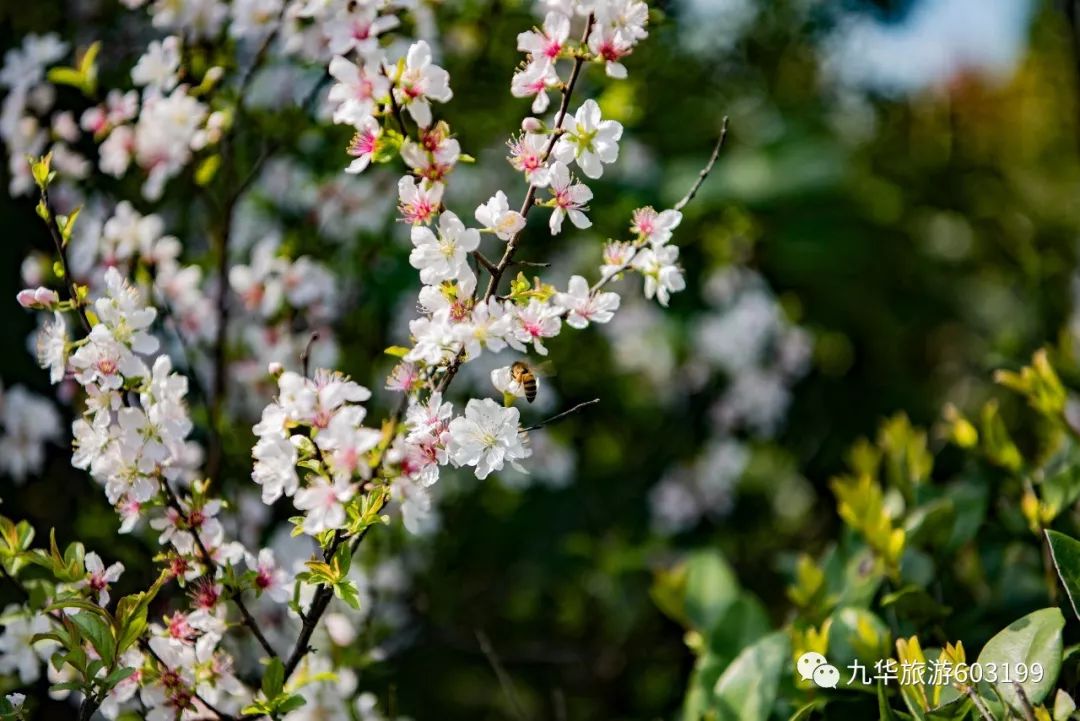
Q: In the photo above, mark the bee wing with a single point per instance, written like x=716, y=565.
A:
x=544, y=370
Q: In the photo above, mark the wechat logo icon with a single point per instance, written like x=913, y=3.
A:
x=815, y=668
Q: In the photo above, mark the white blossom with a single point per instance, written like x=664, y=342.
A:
x=323, y=502
x=569, y=199
x=589, y=140
x=495, y=215
x=443, y=256
x=486, y=437
x=420, y=82
x=583, y=307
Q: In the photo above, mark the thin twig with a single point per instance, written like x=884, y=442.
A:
x=58, y=241
x=236, y=598
x=257, y=61
x=706, y=170
x=558, y=698
x=484, y=261
x=530, y=195
x=319, y=603
x=148, y=649
x=269, y=149
x=1025, y=703
x=395, y=109
x=505, y=681
x=678, y=206
x=305, y=357
x=560, y=416
x=979, y=705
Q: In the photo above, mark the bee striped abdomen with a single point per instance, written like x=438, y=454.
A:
x=528, y=383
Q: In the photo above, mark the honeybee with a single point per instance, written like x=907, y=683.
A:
x=527, y=375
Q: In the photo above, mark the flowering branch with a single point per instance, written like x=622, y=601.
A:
x=530, y=195
x=211, y=564
x=313, y=446
x=616, y=271
x=527, y=204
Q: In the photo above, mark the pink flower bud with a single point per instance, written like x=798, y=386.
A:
x=531, y=125
x=37, y=298
x=275, y=369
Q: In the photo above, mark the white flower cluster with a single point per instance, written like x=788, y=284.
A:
x=29, y=98
x=746, y=340
x=126, y=279
x=319, y=418
x=616, y=27
x=280, y=303
x=129, y=448
x=29, y=423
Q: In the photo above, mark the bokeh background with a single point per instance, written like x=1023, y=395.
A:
x=895, y=214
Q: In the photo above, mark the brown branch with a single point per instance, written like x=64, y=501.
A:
x=319, y=603
x=1025, y=703
x=707, y=169
x=559, y=416
x=530, y=198
x=305, y=357
x=530, y=195
x=236, y=598
x=395, y=109
x=148, y=649
x=484, y=261
x=325, y=593
x=978, y=704
x=217, y=394
x=222, y=238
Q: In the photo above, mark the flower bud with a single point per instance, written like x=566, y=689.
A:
x=275, y=369
x=532, y=125
x=38, y=298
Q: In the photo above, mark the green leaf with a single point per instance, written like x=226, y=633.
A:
x=857, y=634
x=931, y=523
x=346, y=591
x=746, y=691
x=804, y=713
x=699, y=691
x=291, y=704
x=343, y=559
x=207, y=169
x=711, y=587
x=98, y=633
x=1065, y=551
x=65, y=76
x=885, y=710
x=79, y=603
x=1035, y=638
x=915, y=604
x=1061, y=483
x=744, y=622
x=67, y=224
x=273, y=680
x=118, y=675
